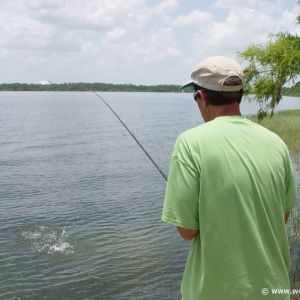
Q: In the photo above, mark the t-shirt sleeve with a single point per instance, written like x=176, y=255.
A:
x=290, y=188
x=181, y=204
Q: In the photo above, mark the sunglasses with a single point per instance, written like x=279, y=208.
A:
x=196, y=94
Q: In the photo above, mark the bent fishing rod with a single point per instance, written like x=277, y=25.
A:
x=157, y=167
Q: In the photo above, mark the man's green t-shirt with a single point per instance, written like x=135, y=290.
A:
x=232, y=180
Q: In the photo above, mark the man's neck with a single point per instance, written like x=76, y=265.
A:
x=225, y=110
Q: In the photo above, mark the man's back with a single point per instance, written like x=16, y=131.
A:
x=232, y=179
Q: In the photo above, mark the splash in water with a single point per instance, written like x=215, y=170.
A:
x=47, y=239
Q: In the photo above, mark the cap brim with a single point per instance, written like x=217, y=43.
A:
x=189, y=83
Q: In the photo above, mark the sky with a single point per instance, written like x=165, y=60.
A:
x=141, y=42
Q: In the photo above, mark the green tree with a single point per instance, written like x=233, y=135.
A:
x=269, y=66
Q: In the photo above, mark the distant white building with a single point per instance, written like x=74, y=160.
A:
x=44, y=82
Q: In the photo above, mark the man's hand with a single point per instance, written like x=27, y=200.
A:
x=286, y=216
x=187, y=234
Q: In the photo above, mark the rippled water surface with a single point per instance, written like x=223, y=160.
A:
x=80, y=203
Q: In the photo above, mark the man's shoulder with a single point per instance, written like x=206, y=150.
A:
x=267, y=134
x=216, y=127
x=238, y=129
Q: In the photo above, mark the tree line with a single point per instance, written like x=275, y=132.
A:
x=109, y=87
x=97, y=86
x=292, y=91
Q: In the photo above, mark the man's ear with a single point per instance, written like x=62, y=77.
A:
x=204, y=98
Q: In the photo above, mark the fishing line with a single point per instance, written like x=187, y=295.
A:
x=157, y=167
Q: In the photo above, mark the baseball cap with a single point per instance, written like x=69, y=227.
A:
x=213, y=71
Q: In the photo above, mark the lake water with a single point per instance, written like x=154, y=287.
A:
x=80, y=203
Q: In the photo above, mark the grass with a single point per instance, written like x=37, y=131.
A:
x=293, y=231
x=286, y=124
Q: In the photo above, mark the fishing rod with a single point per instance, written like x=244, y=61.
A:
x=157, y=167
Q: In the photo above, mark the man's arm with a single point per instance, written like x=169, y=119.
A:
x=286, y=216
x=187, y=234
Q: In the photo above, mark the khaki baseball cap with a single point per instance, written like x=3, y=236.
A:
x=213, y=71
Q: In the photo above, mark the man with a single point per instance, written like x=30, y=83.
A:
x=230, y=188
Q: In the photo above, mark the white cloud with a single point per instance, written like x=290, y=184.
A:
x=259, y=5
x=22, y=32
x=196, y=17
x=91, y=15
x=250, y=9
x=160, y=45
x=90, y=48
x=109, y=40
x=242, y=26
x=116, y=35
x=234, y=34
x=287, y=21
x=35, y=60
x=164, y=7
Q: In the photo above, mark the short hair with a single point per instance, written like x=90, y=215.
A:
x=218, y=98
